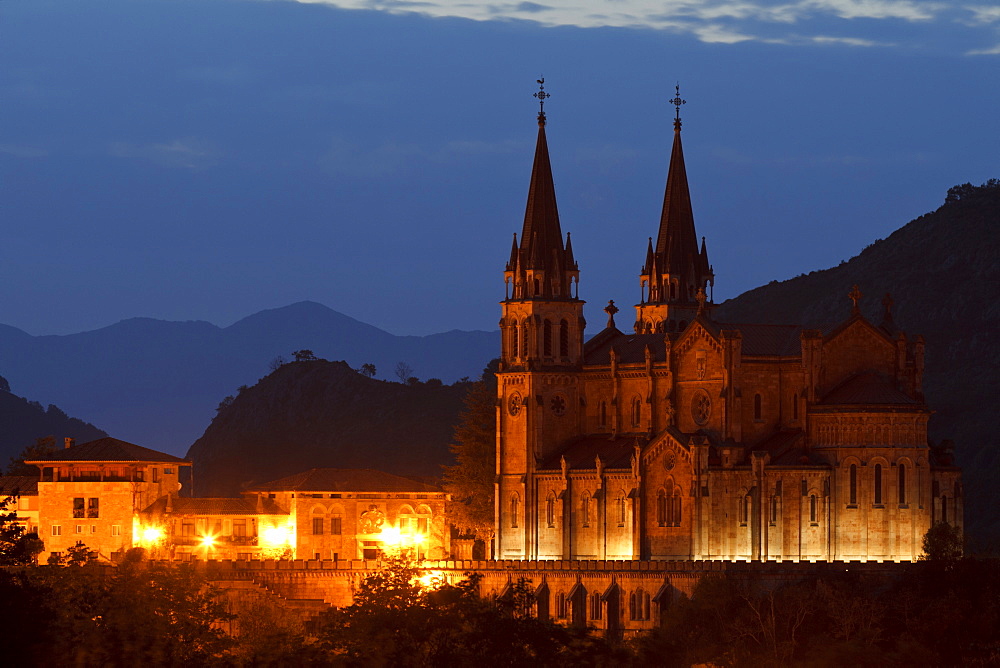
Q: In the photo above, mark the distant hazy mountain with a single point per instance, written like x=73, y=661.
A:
x=157, y=383
x=324, y=414
x=943, y=272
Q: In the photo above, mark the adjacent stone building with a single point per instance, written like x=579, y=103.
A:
x=689, y=438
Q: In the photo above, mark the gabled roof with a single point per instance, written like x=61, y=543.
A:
x=787, y=448
x=215, y=506
x=18, y=485
x=345, y=480
x=630, y=348
x=109, y=450
x=581, y=454
x=867, y=388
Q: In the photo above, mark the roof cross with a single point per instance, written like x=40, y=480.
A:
x=677, y=102
x=611, y=309
x=855, y=297
x=541, y=95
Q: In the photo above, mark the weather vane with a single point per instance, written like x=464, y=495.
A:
x=677, y=102
x=541, y=95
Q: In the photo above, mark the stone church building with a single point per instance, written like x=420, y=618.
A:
x=687, y=438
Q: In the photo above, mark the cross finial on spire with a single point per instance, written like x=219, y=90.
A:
x=677, y=102
x=611, y=309
x=541, y=95
x=855, y=297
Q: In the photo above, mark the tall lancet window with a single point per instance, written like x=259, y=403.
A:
x=514, y=331
x=547, y=339
x=902, y=484
x=878, y=484
x=564, y=339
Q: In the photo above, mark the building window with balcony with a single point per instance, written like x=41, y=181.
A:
x=239, y=528
x=79, y=509
x=93, y=507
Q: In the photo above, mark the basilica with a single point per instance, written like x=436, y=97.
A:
x=688, y=438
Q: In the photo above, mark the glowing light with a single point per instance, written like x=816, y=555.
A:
x=152, y=535
x=277, y=540
x=208, y=541
x=431, y=580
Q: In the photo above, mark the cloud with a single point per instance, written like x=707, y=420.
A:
x=23, y=151
x=993, y=51
x=714, y=21
x=187, y=153
x=349, y=159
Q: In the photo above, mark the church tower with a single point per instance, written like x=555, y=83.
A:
x=542, y=347
x=676, y=275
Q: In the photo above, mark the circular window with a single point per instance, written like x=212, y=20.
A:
x=514, y=404
x=558, y=404
x=701, y=407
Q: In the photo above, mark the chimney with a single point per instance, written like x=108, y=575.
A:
x=69, y=442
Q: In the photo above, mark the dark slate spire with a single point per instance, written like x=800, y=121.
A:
x=541, y=252
x=677, y=259
x=541, y=234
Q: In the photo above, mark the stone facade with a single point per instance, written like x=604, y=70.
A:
x=694, y=439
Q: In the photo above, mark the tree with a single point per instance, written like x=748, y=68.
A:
x=942, y=544
x=367, y=369
x=403, y=371
x=470, y=480
x=276, y=363
x=40, y=449
x=304, y=355
x=17, y=546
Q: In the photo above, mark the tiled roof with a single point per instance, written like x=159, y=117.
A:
x=867, y=388
x=109, y=450
x=345, y=480
x=630, y=349
x=615, y=452
x=768, y=340
x=216, y=506
x=18, y=485
x=786, y=448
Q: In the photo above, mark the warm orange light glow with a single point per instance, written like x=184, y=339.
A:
x=277, y=540
x=431, y=580
x=208, y=541
x=152, y=535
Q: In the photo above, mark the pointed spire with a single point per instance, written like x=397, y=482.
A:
x=570, y=260
x=512, y=263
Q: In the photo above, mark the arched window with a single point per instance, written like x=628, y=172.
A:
x=636, y=411
x=944, y=509
x=878, y=484
x=757, y=407
x=745, y=509
x=564, y=339
x=514, y=330
x=673, y=325
x=595, y=605
x=902, y=484
x=621, y=504
x=673, y=291
x=602, y=414
x=538, y=290
x=812, y=508
x=632, y=607
x=661, y=508
x=676, y=507
x=585, y=509
x=561, y=605
x=774, y=509
x=795, y=407
x=547, y=338
x=515, y=509
x=854, y=485
x=550, y=510
x=524, y=339
x=645, y=606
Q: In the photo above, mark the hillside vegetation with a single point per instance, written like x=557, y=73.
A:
x=314, y=414
x=943, y=272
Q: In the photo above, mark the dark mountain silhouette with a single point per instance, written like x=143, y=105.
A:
x=157, y=383
x=943, y=272
x=23, y=421
x=317, y=414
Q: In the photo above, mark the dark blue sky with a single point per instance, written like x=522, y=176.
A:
x=207, y=159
